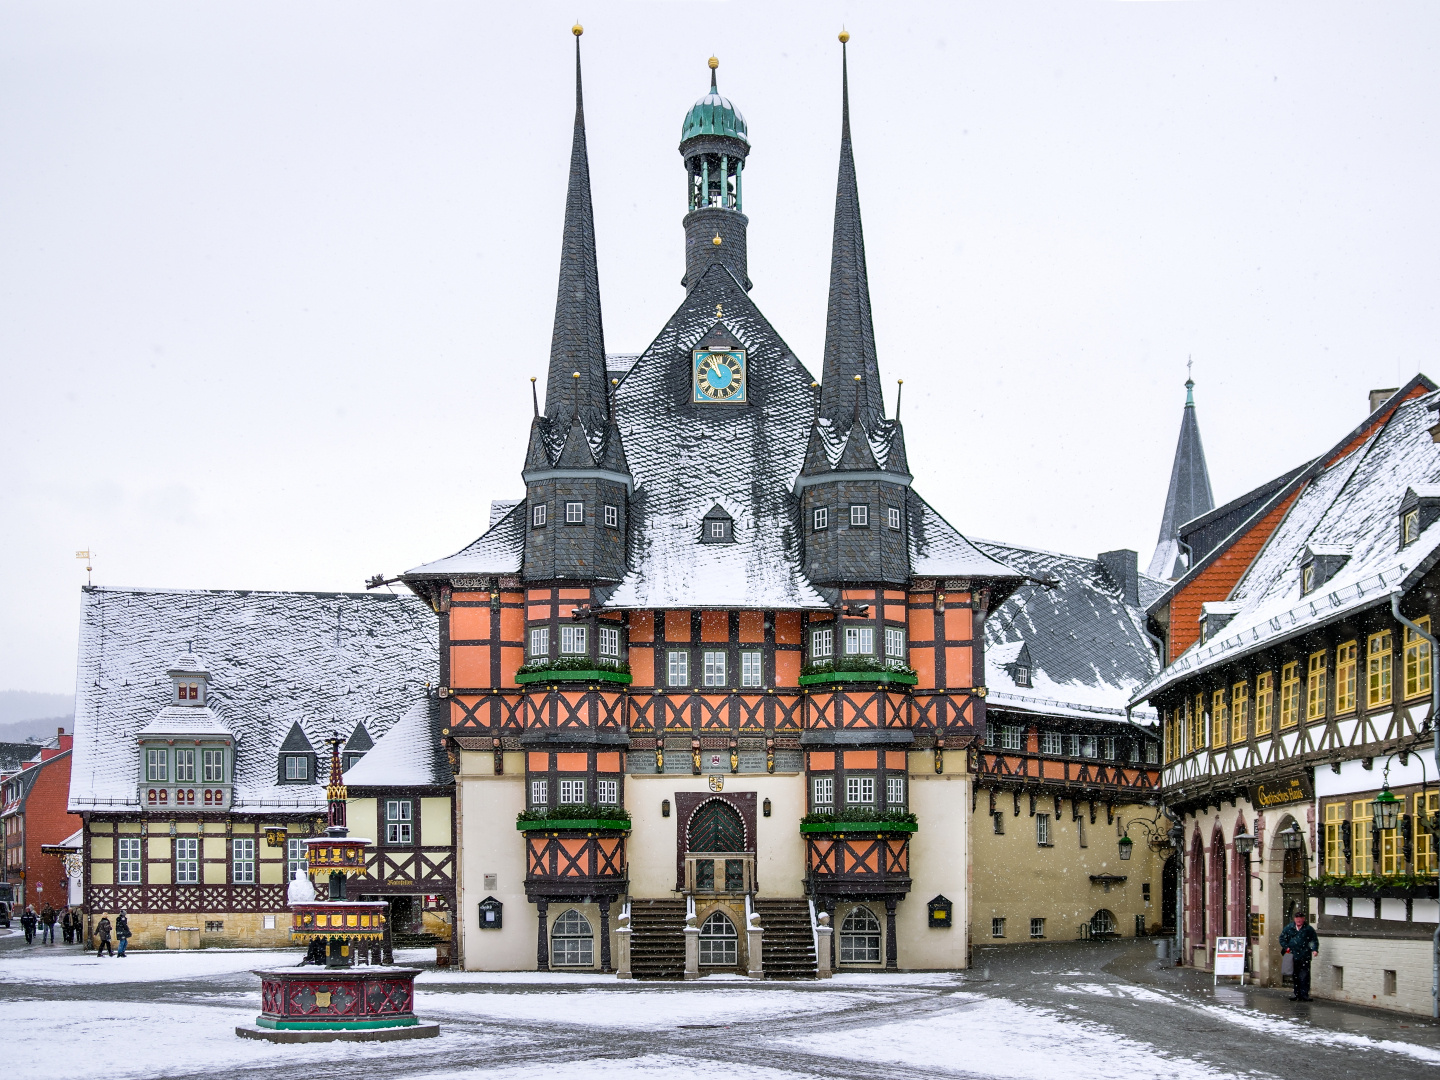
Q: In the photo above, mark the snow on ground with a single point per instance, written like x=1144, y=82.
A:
x=46, y=965
x=1311, y=1034
x=1008, y=1041
x=649, y=1067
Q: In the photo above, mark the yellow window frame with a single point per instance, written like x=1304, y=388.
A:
x=1425, y=861
x=1417, y=660
x=1334, y=853
x=1290, y=695
x=1264, y=702
x=1379, y=656
x=1315, y=686
x=1360, y=854
x=1239, y=712
x=1219, y=719
x=1346, y=664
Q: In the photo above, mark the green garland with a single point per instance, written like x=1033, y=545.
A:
x=1371, y=881
x=856, y=663
x=575, y=812
x=859, y=813
x=574, y=663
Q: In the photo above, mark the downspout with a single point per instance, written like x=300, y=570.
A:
x=1420, y=631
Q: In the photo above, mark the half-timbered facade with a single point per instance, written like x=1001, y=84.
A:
x=722, y=662
x=197, y=714
x=1301, y=668
x=1067, y=835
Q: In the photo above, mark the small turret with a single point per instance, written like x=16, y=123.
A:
x=715, y=142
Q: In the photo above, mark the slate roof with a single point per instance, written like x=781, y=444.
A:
x=1188, y=496
x=411, y=753
x=1088, y=648
x=1353, y=501
x=324, y=660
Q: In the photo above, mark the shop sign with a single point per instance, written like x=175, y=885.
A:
x=1287, y=789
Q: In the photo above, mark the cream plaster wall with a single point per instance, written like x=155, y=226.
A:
x=360, y=818
x=435, y=821
x=490, y=844
x=939, y=865
x=1016, y=879
x=780, y=852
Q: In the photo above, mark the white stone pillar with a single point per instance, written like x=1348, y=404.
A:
x=692, y=952
x=822, y=946
x=756, y=938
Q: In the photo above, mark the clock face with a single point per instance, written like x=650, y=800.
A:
x=720, y=375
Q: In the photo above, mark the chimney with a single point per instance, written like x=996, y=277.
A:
x=1122, y=567
x=1379, y=397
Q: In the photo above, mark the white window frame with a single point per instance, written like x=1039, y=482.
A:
x=575, y=949
x=574, y=513
x=1037, y=928
x=242, y=860
x=612, y=517
x=821, y=519
x=859, y=641
x=752, y=668
x=572, y=792
x=399, y=821
x=894, y=643
x=997, y=927
x=539, y=793
x=859, y=515
x=607, y=792
x=822, y=644
x=157, y=766
x=129, y=859
x=895, y=793
x=1152, y=753
x=539, y=642
x=609, y=641
x=893, y=517
x=859, y=791
x=297, y=861
x=1089, y=746
x=187, y=860
x=677, y=667
x=715, y=530
x=1042, y=831
x=1012, y=737
x=1052, y=742
x=185, y=766
x=538, y=516
x=822, y=793
x=714, y=662
x=213, y=763
x=1107, y=747
x=297, y=767
x=574, y=641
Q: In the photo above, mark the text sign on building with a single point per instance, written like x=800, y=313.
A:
x=1230, y=956
x=1287, y=789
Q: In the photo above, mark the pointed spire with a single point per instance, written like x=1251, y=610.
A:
x=1188, y=497
x=578, y=342
x=849, y=332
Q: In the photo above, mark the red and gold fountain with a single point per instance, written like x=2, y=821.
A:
x=340, y=1000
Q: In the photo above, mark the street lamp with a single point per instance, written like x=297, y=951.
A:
x=1244, y=844
x=1385, y=808
x=1291, y=839
x=1126, y=845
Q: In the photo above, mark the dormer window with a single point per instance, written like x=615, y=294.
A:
x=1410, y=527
x=717, y=527
x=187, y=681
x=1215, y=616
x=297, y=767
x=1022, y=675
x=297, y=760
x=1419, y=509
x=1319, y=564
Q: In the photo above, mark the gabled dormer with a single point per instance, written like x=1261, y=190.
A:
x=1013, y=657
x=1215, y=616
x=356, y=747
x=1419, y=509
x=189, y=680
x=1320, y=563
x=298, y=762
x=717, y=527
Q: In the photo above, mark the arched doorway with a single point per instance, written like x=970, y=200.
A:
x=1222, y=881
x=1200, y=894
x=1102, y=924
x=719, y=942
x=572, y=942
x=1295, y=867
x=1169, y=893
x=860, y=937
x=716, y=834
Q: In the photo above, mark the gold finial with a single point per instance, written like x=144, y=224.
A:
x=719, y=311
x=844, y=35
x=717, y=241
x=576, y=375
x=577, y=29
x=714, y=63
x=857, y=378
x=532, y=378
x=900, y=381
x=614, y=382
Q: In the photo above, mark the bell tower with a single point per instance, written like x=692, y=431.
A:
x=714, y=143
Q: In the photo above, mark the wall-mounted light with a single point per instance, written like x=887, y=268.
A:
x=664, y=807
x=765, y=807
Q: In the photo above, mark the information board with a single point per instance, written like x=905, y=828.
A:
x=1230, y=957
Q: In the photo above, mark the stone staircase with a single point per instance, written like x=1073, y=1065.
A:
x=789, y=950
x=657, y=939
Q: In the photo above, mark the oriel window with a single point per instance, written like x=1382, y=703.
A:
x=539, y=793
x=822, y=645
x=822, y=793
x=572, y=791
x=157, y=766
x=539, y=642
x=607, y=792
x=895, y=793
x=184, y=766
x=609, y=637
x=573, y=640
x=859, y=791
x=894, y=643
x=859, y=641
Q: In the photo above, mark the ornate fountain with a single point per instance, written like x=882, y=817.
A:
x=337, y=1000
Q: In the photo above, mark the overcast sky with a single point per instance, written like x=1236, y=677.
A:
x=273, y=276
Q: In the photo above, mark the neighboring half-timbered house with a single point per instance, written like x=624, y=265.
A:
x=1300, y=682
x=197, y=715
x=401, y=794
x=722, y=661
x=1068, y=839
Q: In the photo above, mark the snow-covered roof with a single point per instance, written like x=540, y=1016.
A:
x=1087, y=645
x=178, y=720
x=324, y=660
x=411, y=753
x=1352, y=503
x=499, y=550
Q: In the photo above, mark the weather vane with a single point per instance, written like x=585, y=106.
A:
x=89, y=557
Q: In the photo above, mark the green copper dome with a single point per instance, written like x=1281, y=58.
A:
x=714, y=115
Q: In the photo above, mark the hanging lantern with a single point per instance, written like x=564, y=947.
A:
x=1385, y=809
x=1291, y=839
x=1126, y=845
x=1244, y=844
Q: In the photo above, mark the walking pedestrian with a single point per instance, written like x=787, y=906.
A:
x=67, y=927
x=1303, y=944
x=47, y=925
x=103, y=933
x=122, y=931
x=27, y=923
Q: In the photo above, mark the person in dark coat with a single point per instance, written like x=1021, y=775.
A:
x=67, y=927
x=122, y=931
x=27, y=923
x=1300, y=941
x=102, y=932
x=47, y=925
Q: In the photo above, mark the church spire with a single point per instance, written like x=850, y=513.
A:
x=849, y=332
x=1189, y=495
x=578, y=342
